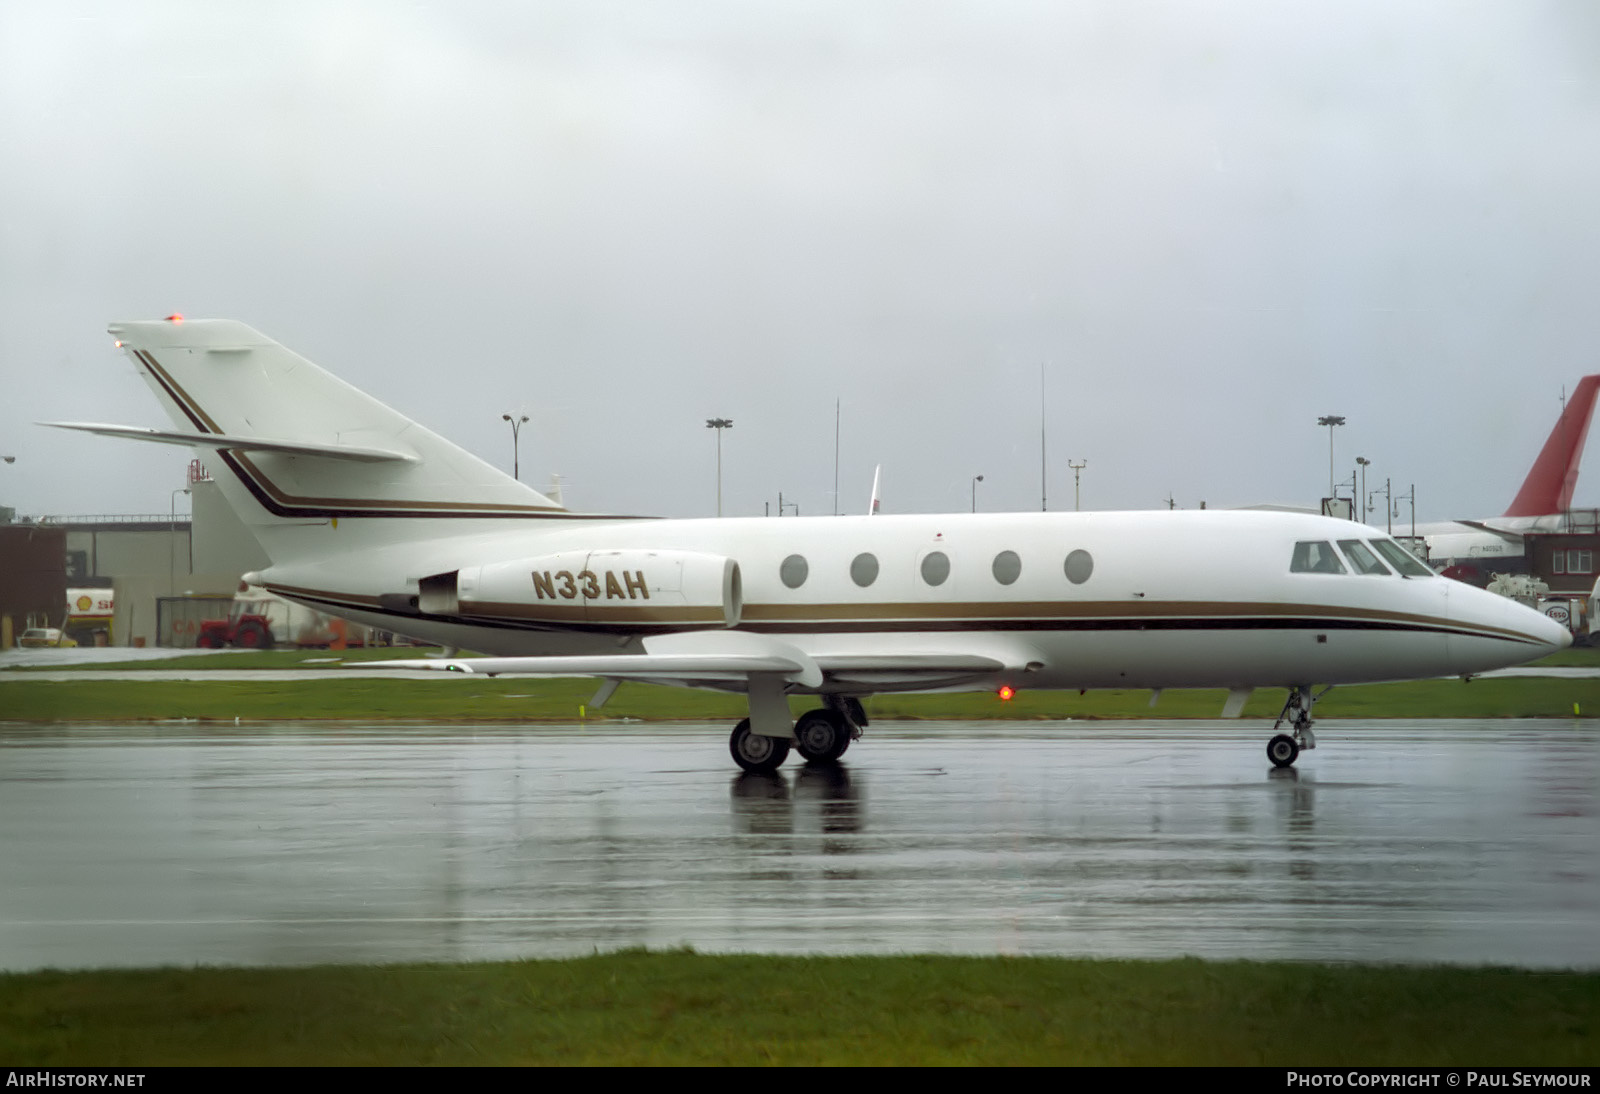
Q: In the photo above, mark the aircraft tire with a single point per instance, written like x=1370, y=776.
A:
x=757, y=754
x=1282, y=750
x=821, y=736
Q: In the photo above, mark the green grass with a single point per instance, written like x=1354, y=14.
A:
x=452, y=698
x=684, y=1008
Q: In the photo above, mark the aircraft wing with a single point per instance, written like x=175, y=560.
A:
x=1508, y=536
x=659, y=668
x=224, y=441
x=714, y=658
x=718, y=658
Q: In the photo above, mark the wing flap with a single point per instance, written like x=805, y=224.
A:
x=712, y=657
x=622, y=666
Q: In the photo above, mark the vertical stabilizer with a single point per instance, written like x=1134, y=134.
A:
x=297, y=446
x=1549, y=486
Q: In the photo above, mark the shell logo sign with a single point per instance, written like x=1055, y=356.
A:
x=92, y=603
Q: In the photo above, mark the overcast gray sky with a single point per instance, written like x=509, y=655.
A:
x=1210, y=223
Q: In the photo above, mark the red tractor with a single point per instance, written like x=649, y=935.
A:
x=246, y=628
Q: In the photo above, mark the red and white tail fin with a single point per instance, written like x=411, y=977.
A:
x=1549, y=486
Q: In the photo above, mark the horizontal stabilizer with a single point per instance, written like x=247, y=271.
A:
x=222, y=441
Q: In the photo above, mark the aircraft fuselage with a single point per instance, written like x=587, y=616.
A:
x=1063, y=600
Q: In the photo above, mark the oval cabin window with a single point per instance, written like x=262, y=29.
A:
x=1079, y=566
x=1007, y=567
x=793, y=571
x=864, y=569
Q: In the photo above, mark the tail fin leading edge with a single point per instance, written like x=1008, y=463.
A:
x=1550, y=484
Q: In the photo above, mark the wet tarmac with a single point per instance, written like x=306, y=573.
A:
x=1465, y=842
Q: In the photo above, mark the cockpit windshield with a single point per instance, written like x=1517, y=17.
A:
x=1362, y=560
x=1400, y=558
x=1315, y=557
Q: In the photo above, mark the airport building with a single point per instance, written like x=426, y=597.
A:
x=160, y=579
x=102, y=579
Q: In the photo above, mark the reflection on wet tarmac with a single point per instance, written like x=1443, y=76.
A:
x=1474, y=842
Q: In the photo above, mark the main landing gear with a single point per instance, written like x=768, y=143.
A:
x=821, y=736
x=1284, y=749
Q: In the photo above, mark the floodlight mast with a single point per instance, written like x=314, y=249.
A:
x=1330, y=420
x=719, y=424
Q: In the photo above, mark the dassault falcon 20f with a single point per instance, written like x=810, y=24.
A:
x=366, y=514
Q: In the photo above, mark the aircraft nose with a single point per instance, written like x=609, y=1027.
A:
x=1560, y=638
x=1507, y=633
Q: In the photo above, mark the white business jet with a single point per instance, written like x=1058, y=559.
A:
x=368, y=515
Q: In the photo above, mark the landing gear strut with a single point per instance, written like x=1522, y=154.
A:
x=1284, y=749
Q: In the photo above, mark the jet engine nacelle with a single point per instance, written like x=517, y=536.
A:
x=622, y=587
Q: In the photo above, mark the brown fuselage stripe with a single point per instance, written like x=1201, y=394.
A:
x=1086, y=616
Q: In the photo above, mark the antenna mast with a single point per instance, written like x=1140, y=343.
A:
x=1042, y=506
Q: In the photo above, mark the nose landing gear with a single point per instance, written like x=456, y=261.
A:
x=1285, y=748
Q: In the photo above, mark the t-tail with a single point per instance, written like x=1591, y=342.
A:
x=296, y=446
x=1549, y=486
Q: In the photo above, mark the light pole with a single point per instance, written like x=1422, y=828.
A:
x=1410, y=496
x=1364, y=463
x=1330, y=420
x=1388, y=500
x=1077, y=472
x=719, y=424
x=976, y=479
x=516, y=430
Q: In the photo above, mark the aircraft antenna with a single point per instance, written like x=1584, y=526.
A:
x=1043, y=508
x=835, y=455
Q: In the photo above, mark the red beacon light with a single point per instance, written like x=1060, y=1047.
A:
x=175, y=317
x=1006, y=692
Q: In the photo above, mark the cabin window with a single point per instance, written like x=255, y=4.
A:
x=1572, y=562
x=1078, y=567
x=1362, y=560
x=864, y=569
x=1315, y=557
x=935, y=567
x=793, y=571
x=1007, y=567
x=1400, y=558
